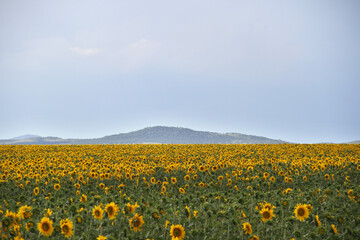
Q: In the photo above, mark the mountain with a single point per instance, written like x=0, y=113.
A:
x=22, y=137
x=158, y=134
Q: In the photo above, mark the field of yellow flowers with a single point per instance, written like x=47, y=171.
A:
x=287, y=191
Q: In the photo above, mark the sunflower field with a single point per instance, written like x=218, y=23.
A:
x=153, y=191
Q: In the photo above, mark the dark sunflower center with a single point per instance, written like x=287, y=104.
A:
x=45, y=226
x=65, y=229
x=301, y=212
x=266, y=215
x=136, y=222
x=110, y=210
x=177, y=232
x=97, y=213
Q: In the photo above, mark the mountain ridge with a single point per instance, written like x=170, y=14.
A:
x=156, y=134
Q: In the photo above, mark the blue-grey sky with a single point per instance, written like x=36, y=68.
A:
x=82, y=69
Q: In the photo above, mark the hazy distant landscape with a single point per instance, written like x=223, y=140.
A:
x=153, y=135
x=158, y=134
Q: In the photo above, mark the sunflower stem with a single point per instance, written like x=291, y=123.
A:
x=228, y=231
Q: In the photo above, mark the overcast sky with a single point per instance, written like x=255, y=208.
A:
x=287, y=70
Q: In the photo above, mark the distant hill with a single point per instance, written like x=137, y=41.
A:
x=354, y=142
x=158, y=134
x=25, y=137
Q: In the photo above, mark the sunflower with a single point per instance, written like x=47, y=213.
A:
x=187, y=178
x=67, y=227
x=333, y=229
x=45, y=226
x=29, y=225
x=136, y=222
x=267, y=214
x=173, y=180
x=187, y=212
x=318, y=223
x=254, y=238
x=269, y=206
x=131, y=208
x=77, y=185
x=97, y=212
x=272, y=179
x=215, y=168
x=57, y=187
x=247, y=228
x=301, y=211
x=24, y=212
x=153, y=180
x=304, y=178
x=36, y=191
x=83, y=198
x=79, y=219
x=155, y=215
x=101, y=237
x=181, y=190
x=309, y=207
x=327, y=177
x=112, y=210
x=358, y=167
x=177, y=232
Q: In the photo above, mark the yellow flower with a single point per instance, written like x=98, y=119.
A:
x=57, y=187
x=97, y=212
x=24, y=212
x=101, y=237
x=247, y=228
x=301, y=211
x=166, y=223
x=254, y=238
x=333, y=228
x=177, y=232
x=181, y=190
x=112, y=210
x=136, y=222
x=36, y=191
x=196, y=213
x=131, y=208
x=267, y=214
x=48, y=212
x=83, y=198
x=45, y=226
x=187, y=212
x=318, y=223
x=67, y=227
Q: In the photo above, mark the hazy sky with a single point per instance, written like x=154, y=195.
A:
x=82, y=69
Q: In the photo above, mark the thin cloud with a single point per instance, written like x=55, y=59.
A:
x=86, y=51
